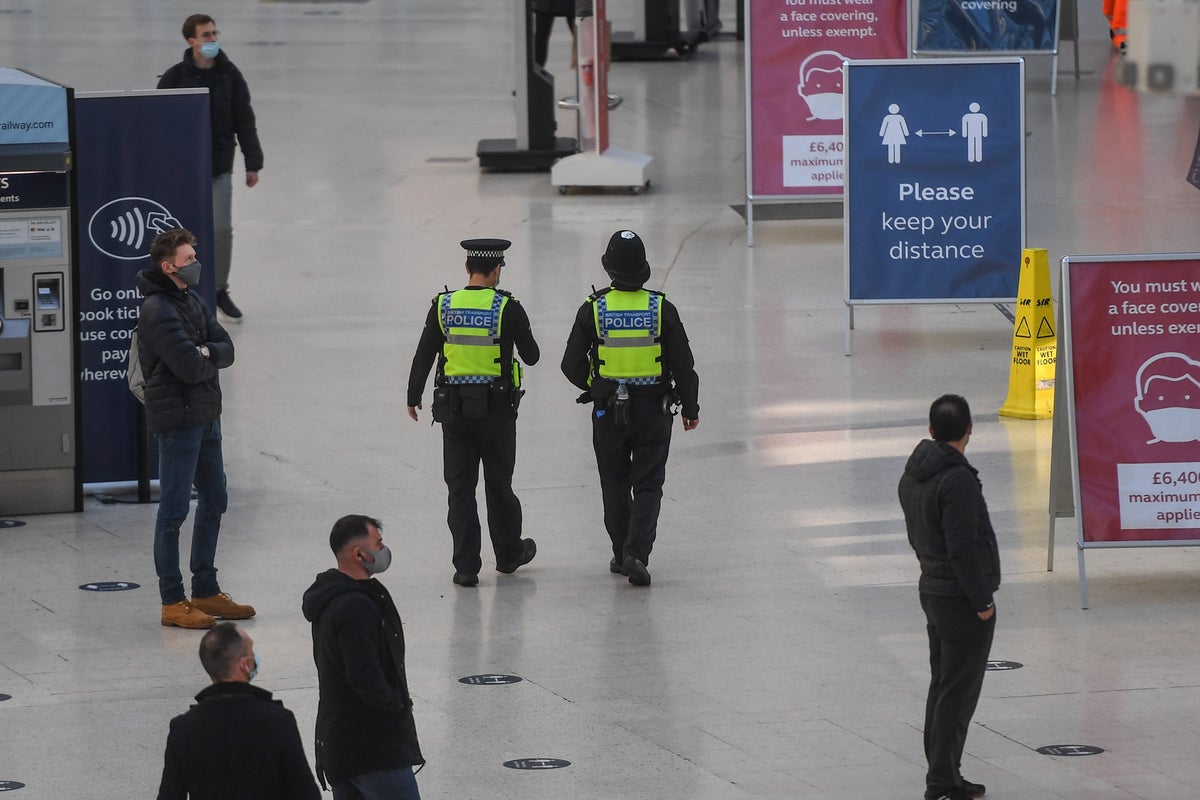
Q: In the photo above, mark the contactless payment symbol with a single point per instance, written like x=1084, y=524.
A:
x=123, y=228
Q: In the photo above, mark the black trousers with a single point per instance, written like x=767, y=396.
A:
x=465, y=444
x=632, y=460
x=959, y=644
x=542, y=23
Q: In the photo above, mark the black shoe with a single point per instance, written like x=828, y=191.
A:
x=227, y=306
x=954, y=794
x=465, y=579
x=637, y=572
x=528, y=551
x=614, y=567
x=974, y=789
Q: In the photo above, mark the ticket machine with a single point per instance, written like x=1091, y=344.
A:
x=38, y=325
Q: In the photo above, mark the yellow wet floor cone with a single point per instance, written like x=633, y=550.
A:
x=1031, y=376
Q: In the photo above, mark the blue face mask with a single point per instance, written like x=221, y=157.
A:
x=253, y=672
x=210, y=49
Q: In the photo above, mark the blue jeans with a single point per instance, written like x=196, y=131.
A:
x=187, y=457
x=223, y=228
x=388, y=784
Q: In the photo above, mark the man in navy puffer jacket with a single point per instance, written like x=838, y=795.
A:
x=181, y=346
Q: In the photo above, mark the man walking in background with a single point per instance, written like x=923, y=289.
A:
x=205, y=66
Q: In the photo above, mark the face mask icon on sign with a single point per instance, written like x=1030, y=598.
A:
x=821, y=84
x=1168, y=397
x=123, y=228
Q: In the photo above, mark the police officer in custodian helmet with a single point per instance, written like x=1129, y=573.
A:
x=629, y=354
x=471, y=333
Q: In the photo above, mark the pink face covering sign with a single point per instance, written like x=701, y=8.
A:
x=1134, y=326
x=795, y=55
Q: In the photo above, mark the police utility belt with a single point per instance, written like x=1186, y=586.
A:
x=474, y=397
x=649, y=396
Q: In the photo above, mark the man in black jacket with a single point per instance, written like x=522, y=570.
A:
x=630, y=355
x=181, y=347
x=366, y=738
x=236, y=743
x=949, y=528
x=205, y=66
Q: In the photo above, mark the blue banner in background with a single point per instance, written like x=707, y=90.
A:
x=144, y=165
x=996, y=26
x=935, y=202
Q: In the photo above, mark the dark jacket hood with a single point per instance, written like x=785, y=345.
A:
x=931, y=458
x=233, y=689
x=329, y=584
x=153, y=281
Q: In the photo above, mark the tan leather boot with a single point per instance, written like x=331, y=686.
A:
x=222, y=605
x=185, y=615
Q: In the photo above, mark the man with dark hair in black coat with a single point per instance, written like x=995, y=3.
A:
x=236, y=743
x=366, y=738
x=948, y=527
x=181, y=347
x=206, y=66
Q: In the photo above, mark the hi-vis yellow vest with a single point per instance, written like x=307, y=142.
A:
x=629, y=327
x=470, y=320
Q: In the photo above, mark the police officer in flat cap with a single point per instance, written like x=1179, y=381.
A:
x=629, y=354
x=472, y=333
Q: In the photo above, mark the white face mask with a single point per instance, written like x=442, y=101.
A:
x=383, y=560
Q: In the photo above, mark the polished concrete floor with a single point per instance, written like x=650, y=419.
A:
x=780, y=652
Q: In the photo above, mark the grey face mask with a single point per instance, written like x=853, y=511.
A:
x=383, y=560
x=190, y=275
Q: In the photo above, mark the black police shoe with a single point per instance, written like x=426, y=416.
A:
x=974, y=789
x=528, y=551
x=465, y=579
x=637, y=572
x=228, y=307
x=614, y=567
x=959, y=793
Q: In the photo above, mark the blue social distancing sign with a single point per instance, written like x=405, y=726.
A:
x=935, y=180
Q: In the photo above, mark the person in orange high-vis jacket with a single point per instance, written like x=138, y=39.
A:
x=1116, y=11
